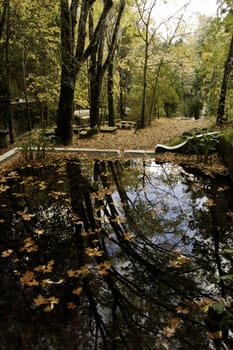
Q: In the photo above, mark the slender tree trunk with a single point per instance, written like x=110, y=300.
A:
x=5, y=68
x=111, y=109
x=223, y=92
x=29, y=120
x=153, y=96
x=95, y=73
x=5, y=6
x=121, y=98
x=10, y=126
x=143, y=110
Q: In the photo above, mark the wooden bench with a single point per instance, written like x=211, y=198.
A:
x=126, y=124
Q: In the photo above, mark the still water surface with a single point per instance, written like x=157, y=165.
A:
x=115, y=255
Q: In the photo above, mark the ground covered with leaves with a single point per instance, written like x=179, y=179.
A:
x=161, y=131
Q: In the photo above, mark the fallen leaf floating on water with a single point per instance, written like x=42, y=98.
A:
x=27, y=180
x=39, y=232
x=25, y=216
x=215, y=335
x=45, y=268
x=56, y=194
x=118, y=220
x=94, y=251
x=18, y=195
x=3, y=188
x=204, y=304
x=179, y=261
x=222, y=189
x=210, y=203
x=173, y=324
x=128, y=236
x=182, y=310
x=77, y=291
x=230, y=214
x=6, y=253
x=29, y=246
x=82, y=271
x=48, y=302
x=13, y=175
x=28, y=279
x=103, y=268
x=42, y=185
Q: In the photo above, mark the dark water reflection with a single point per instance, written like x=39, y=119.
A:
x=114, y=255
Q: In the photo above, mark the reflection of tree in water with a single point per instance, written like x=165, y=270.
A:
x=141, y=292
x=120, y=286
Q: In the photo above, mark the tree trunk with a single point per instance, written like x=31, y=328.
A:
x=98, y=66
x=143, y=110
x=74, y=52
x=223, y=92
x=111, y=110
x=8, y=102
x=5, y=96
x=64, y=129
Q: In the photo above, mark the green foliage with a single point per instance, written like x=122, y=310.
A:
x=227, y=134
x=37, y=145
x=34, y=50
x=204, y=145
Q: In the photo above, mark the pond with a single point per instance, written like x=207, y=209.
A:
x=115, y=255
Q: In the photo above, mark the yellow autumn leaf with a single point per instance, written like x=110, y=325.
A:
x=18, y=195
x=3, y=188
x=103, y=268
x=94, y=251
x=42, y=185
x=215, y=335
x=6, y=253
x=86, y=234
x=2, y=221
x=128, y=236
x=77, y=291
x=39, y=232
x=179, y=261
x=204, y=304
x=182, y=310
x=60, y=181
x=48, y=302
x=13, y=175
x=29, y=246
x=173, y=324
x=118, y=220
x=56, y=194
x=40, y=300
x=210, y=203
x=82, y=271
x=45, y=268
x=230, y=214
x=28, y=279
x=25, y=216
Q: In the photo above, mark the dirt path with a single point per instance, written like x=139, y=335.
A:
x=161, y=131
